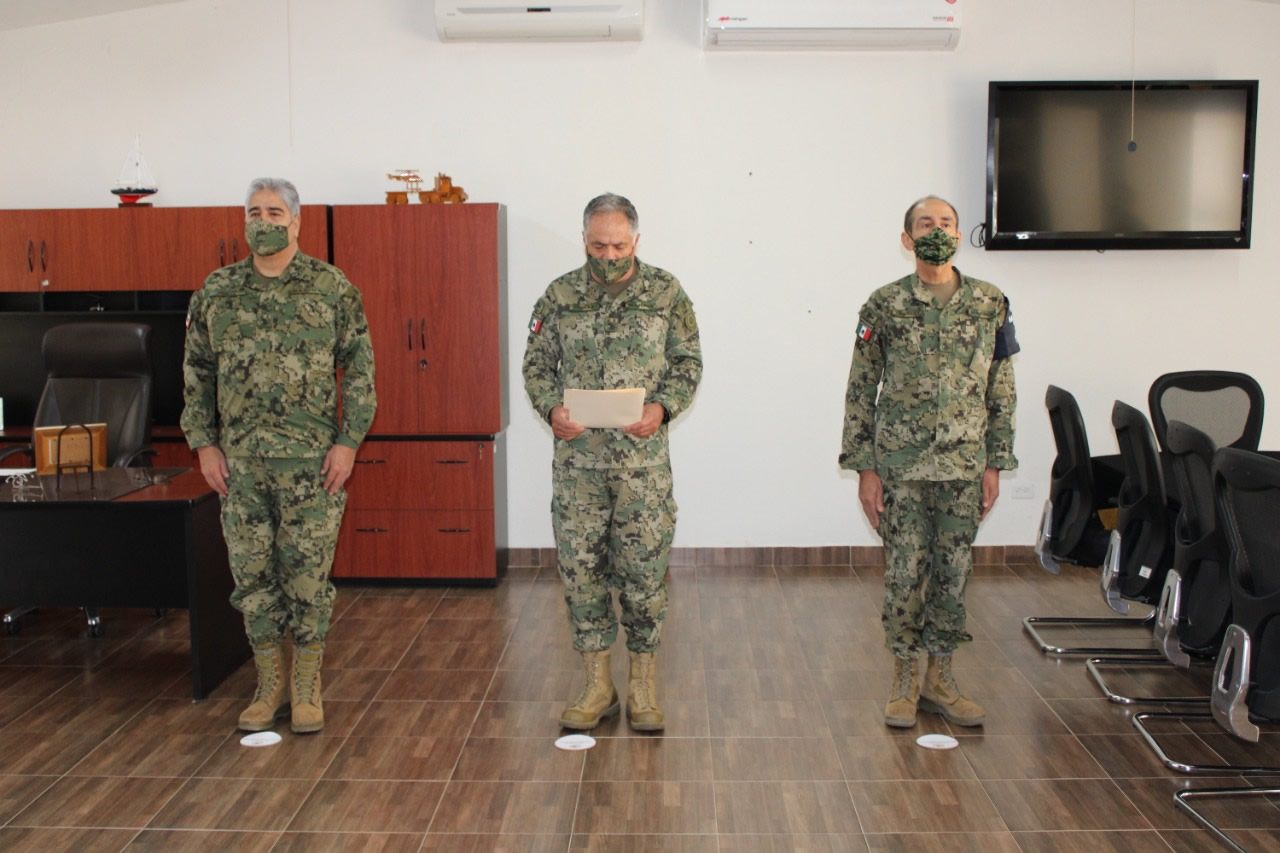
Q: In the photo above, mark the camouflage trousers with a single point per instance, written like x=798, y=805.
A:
x=928, y=531
x=281, y=528
x=613, y=529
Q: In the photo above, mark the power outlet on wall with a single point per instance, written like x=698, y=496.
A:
x=1024, y=492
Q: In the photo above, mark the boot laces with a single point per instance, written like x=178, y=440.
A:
x=593, y=676
x=305, y=671
x=906, y=680
x=264, y=661
x=946, y=679
x=640, y=685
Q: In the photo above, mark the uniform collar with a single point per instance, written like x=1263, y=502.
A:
x=289, y=275
x=921, y=293
x=591, y=291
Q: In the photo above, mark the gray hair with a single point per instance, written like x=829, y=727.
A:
x=910, y=219
x=611, y=203
x=285, y=189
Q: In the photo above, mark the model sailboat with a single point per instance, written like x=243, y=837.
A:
x=136, y=181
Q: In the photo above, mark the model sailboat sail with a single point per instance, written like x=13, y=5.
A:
x=136, y=180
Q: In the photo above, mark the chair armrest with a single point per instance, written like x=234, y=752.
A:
x=20, y=448
x=136, y=458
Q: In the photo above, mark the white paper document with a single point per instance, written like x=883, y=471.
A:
x=615, y=408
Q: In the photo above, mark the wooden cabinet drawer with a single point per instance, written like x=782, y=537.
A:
x=422, y=475
x=416, y=544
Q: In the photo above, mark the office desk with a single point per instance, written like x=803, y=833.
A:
x=159, y=546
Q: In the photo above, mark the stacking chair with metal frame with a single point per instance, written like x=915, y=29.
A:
x=98, y=372
x=1071, y=529
x=1246, y=683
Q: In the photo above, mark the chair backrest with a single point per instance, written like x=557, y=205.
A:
x=1146, y=550
x=99, y=373
x=1199, y=549
x=1226, y=406
x=1071, y=488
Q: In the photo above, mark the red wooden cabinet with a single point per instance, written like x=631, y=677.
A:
x=24, y=249
x=416, y=544
x=423, y=475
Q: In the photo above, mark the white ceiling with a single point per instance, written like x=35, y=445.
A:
x=16, y=14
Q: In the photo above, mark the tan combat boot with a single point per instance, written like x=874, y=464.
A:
x=598, y=699
x=941, y=695
x=642, y=695
x=900, y=711
x=308, y=714
x=272, y=697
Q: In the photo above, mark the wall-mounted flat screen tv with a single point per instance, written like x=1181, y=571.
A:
x=1165, y=164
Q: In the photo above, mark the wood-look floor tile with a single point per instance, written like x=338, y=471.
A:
x=935, y=806
x=1130, y=841
x=987, y=684
x=853, y=685
x=888, y=758
x=134, y=752
x=518, y=719
x=436, y=684
x=355, y=685
x=495, y=843
x=199, y=841
x=865, y=718
x=1124, y=756
x=431, y=655
x=1264, y=753
x=348, y=629
x=1026, y=716
x=1097, y=716
x=1051, y=805
x=400, y=607
x=466, y=630
x=1154, y=798
x=539, y=808
x=1253, y=840
x=775, y=760
x=831, y=843
x=535, y=685
x=1066, y=681
x=640, y=808
x=643, y=844
x=66, y=840
x=1029, y=757
x=478, y=608
x=763, y=703
x=98, y=801
x=56, y=651
x=784, y=808
x=243, y=804
x=416, y=719
x=27, y=753
x=753, y=653
x=382, y=806
x=649, y=759
x=17, y=792
x=542, y=654
x=295, y=757
x=405, y=758
x=13, y=707
x=348, y=842
x=364, y=655
x=507, y=759
x=96, y=716
x=943, y=842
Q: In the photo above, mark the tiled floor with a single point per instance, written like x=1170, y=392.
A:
x=442, y=708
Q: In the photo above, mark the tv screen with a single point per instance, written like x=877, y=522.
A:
x=1120, y=164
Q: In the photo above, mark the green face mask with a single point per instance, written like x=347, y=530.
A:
x=610, y=271
x=937, y=247
x=265, y=238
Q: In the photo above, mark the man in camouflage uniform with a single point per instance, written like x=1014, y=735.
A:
x=265, y=337
x=614, y=322
x=929, y=449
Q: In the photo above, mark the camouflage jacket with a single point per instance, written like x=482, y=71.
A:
x=946, y=402
x=260, y=362
x=646, y=337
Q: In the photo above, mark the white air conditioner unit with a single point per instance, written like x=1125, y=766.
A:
x=832, y=24
x=540, y=20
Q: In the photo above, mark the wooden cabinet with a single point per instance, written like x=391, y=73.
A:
x=430, y=279
x=425, y=500
x=145, y=248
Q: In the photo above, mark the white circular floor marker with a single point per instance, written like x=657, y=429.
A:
x=937, y=742
x=260, y=739
x=573, y=743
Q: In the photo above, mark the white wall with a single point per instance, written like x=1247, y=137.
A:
x=771, y=184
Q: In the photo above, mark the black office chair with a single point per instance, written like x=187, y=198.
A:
x=1226, y=406
x=1072, y=530
x=96, y=373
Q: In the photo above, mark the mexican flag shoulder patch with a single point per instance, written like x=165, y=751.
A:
x=865, y=332
x=535, y=325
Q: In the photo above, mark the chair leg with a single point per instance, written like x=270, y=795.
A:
x=1029, y=623
x=1094, y=665
x=1109, y=576
x=1044, y=541
x=1140, y=723
x=13, y=619
x=1168, y=613
x=1180, y=798
x=96, y=628
x=1231, y=685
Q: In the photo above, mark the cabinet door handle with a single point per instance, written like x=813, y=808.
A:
x=422, y=332
x=222, y=253
x=235, y=248
x=31, y=259
x=453, y=529
x=409, y=332
x=453, y=461
x=371, y=462
x=371, y=530
x=44, y=265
